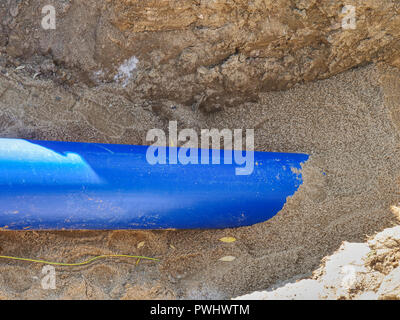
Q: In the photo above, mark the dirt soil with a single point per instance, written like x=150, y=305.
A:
x=348, y=122
x=356, y=271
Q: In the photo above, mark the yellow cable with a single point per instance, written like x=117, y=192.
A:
x=79, y=263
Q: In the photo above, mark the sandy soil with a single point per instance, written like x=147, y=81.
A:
x=349, y=124
x=356, y=271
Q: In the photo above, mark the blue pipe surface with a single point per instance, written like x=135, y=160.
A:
x=65, y=185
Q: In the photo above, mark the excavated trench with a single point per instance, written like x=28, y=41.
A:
x=112, y=70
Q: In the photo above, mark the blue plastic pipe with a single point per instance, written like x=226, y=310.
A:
x=63, y=185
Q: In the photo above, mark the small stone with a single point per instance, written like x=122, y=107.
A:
x=227, y=258
x=47, y=66
x=14, y=11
